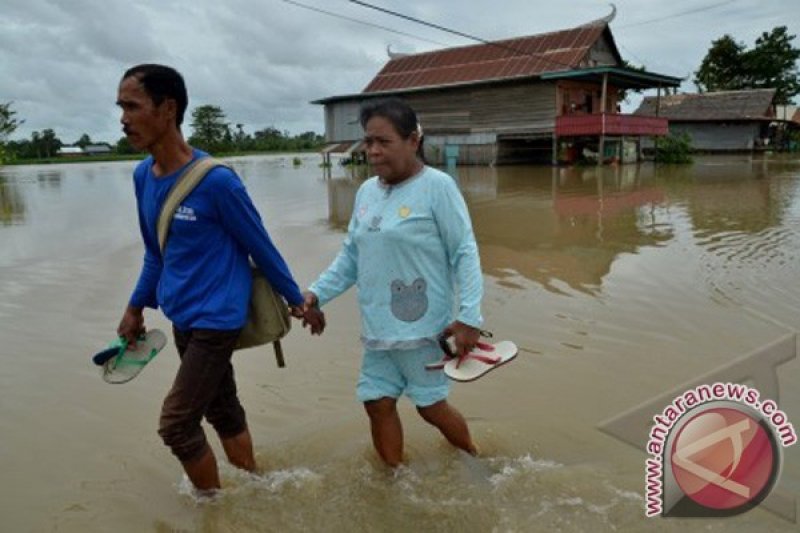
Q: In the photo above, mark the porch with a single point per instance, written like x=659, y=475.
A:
x=610, y=124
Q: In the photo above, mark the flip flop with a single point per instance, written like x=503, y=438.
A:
x=120, y=365
x=104, y=355
x=480, y=361
x=483, y=358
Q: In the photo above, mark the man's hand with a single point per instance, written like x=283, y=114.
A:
x=310, y=313
x=132, y=325
x=465, y=337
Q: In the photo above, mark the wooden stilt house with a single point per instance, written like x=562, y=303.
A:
x=550, y=98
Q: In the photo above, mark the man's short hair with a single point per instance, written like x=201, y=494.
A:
x=161, y=82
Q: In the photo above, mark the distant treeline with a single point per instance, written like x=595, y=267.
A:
x=210, y=132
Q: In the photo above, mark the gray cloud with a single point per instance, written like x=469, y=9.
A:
x=262, y=61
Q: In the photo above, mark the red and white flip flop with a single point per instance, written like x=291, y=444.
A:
x=483, y=358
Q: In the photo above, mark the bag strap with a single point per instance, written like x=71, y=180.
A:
x=186, y=182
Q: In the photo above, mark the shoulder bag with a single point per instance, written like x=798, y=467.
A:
x=268, y=317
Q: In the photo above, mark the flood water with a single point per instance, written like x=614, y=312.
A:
x=618, y=284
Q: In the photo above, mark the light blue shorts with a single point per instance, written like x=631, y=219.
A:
x=391, y=373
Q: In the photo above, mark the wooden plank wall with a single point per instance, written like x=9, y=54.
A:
x=718, y=136
x=341, y=122
x=514, y=107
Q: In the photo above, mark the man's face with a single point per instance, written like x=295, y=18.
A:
x=143, y=122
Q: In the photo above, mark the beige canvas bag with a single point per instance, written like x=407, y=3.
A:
x=268, y=317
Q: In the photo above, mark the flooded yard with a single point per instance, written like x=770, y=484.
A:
x=619, y=284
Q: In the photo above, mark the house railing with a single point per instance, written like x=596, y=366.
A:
x=610, y=124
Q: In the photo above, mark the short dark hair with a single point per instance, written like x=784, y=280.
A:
x=401, y=115
x=161, y=82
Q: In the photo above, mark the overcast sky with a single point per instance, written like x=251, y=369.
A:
x=263, y=61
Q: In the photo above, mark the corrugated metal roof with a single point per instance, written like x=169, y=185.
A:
x=499, y=60
x=754, y=104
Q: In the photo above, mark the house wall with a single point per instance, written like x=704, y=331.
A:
x=571, y=98
x=509, y=108
x=341, y=122
x=471, y=117
x=600, y=53
x=713, y=137
x=718, y=136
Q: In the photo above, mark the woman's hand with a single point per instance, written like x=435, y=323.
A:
x=466, y=337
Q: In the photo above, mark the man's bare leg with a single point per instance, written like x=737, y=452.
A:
x=239, y=450
x=203, y=471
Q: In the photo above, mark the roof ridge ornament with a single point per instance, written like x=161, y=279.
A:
x=605, y=20
x=394, y=55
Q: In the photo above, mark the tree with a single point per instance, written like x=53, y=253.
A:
x=50, y=143
x=84, y=141
x=775, y=62
x=44, y=144
x=8, y=124
x=36, y=144
x=722, y=68
x=124, y=146
x=241, y=140
x=209, y=127
x=772, y=63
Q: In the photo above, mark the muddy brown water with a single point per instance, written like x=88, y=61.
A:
x=619, y=284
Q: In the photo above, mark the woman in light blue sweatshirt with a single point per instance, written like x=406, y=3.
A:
x=411, y=253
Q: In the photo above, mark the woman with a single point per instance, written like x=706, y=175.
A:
x=411, y=252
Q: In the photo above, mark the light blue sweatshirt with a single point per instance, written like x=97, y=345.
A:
x=412, y=254
x=203, y=280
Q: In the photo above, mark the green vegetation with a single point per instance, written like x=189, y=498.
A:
x=772, y=63
x=8, y=124
x=674, y=149
x=210, y=132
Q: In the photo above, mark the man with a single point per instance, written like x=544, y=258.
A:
x=202, y=282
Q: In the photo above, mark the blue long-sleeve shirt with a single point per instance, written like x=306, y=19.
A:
x=411, y=252
x=203, y=279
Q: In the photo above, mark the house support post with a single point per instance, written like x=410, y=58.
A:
x=603, y=94
x=554, y=158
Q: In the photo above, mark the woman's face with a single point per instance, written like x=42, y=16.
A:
x=392, y=157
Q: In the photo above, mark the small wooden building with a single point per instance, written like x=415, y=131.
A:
x=70, y=151
x=97, y=149
x=544, y=98
x=722, y=121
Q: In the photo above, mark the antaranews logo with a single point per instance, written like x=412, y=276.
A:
x=638, y=428
x=715, y=450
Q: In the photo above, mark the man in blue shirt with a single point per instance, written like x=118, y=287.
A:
x=202, y=281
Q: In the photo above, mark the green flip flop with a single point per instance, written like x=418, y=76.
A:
x=127, y=364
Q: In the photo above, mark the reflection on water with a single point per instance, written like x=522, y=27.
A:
x=568, y=225
x=52, y=178
x=12, y=203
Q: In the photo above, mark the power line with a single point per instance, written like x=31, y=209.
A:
x=679, y=14
x=459, y=33
x=419, y=21
x=365, y=23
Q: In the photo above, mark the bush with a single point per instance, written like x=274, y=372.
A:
x=674, y=149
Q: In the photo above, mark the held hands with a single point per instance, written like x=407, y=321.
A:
x=310, y=313
x=465, y=337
